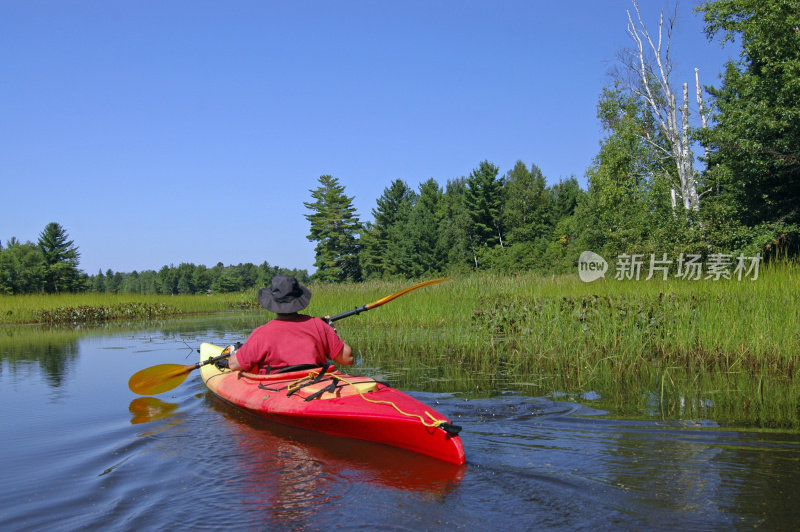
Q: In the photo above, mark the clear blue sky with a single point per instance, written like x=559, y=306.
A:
x=161, y=132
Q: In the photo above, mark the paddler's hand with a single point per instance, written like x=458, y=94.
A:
x=230, y=351
x=329, y=322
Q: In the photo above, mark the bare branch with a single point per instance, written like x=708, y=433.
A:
x=643, y=69
x=651, y=62
x=699, y=92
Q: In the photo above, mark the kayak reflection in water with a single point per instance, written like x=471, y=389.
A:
x=290, y=339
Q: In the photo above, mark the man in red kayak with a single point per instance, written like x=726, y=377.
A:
x=290, y=339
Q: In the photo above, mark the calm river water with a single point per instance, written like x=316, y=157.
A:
x=80, y=451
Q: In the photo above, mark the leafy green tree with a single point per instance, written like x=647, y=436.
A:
x=185, y=275
x=335, y=228
x=184, y=285
x=61, y=259
x=167, y=281
x=629, y=183
x=754, y=159
x=562, y=252
x=526, y=206
x=201, y=279
x=215, y=272
x=266, y=273
x=301, y=275
x=148, y=282
x=227, y=282
x=248, y=273
x=22, y=268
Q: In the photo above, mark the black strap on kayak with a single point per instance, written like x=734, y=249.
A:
x=325, y=368
x=312, y=381
x=265, y=387
x=298, y=387
x=331, y=388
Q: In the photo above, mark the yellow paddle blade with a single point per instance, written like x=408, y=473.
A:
x=400, y=293
x=158, y=379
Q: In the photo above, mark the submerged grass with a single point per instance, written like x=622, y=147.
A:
x=723, y=350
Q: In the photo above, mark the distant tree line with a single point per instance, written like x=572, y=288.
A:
x=644, y=194
x=51, y=266
x=484, y=221
x=188, y=278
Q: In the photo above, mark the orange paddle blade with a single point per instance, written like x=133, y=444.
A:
x=146, y=409
x=386, y=299
x=158, y=379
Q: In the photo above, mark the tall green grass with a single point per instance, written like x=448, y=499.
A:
x=727, y=350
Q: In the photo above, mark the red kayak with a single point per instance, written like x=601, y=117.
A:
x=328, y=401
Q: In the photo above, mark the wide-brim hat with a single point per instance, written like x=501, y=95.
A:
x=285, y=295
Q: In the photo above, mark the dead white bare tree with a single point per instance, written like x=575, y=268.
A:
x=649, y=66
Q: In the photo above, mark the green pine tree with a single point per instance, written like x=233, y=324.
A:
x=99, y=282
x=335, y=228
x=483, y=199
x=453, y=230
x=61, y=259
x=425, y=254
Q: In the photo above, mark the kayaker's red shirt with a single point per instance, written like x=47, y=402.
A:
x=288, y=342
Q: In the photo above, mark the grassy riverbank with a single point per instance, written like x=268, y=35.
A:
x=725, y=350
x=95, y=308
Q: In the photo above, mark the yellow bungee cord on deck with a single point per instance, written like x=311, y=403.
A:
x=448, y=427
